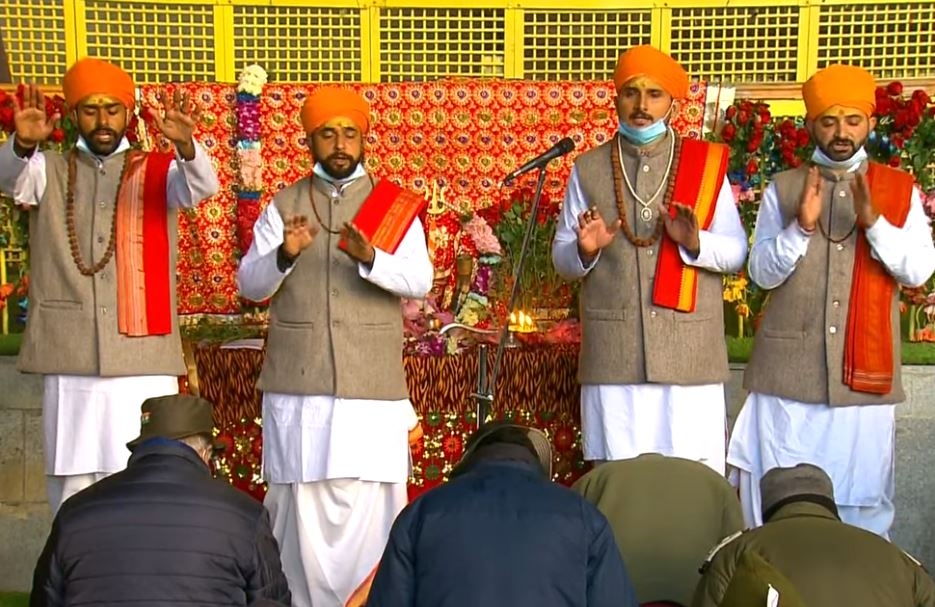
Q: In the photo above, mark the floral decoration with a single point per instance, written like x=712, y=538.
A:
x=248, y=157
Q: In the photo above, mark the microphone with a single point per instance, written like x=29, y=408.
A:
x=561, y=148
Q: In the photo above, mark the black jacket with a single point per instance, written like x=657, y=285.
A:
x=162, y=532
x=501, y=535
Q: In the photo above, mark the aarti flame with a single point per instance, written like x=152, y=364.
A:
x=521, y=322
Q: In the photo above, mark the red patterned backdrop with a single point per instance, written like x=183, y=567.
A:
x=466, y=134
x=463, y=134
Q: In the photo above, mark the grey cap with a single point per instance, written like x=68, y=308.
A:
x=538, y=438
x=801, y=483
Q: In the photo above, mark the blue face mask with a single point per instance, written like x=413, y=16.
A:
x=642, y=135
x=851, y=164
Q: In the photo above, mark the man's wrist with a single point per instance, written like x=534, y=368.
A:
x=23, y=150
x=585, y=257
x=804, y=229
x=284, y=261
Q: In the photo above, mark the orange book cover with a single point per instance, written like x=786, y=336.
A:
x=386, y=215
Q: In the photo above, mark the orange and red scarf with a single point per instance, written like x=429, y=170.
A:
x=868, y=342
x=144, y=298
x=698, y=181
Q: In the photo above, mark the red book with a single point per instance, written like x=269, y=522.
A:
x=386, y=215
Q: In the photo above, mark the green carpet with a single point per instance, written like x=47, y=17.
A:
x=14, y=599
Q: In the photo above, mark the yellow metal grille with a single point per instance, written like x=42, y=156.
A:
x=155, y=42
x=580, y=45
x=426, y=43
x=737, y=43
x=299, y=44
x=891, y=40
x=33, y=33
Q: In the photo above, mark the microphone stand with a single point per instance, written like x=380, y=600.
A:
x=486, y=386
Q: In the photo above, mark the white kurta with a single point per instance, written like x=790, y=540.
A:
x=623, y=421
x=854, y=445
x=89, y=420
x=337, y=467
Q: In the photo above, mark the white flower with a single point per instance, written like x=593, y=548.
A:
x=252, y=80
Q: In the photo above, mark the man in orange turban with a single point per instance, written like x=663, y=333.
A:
x=102, y=326
x=335, y=400
x=650, y=225
x=336, y=120
x=833, y=242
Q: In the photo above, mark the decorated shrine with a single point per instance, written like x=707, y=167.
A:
x=451, y=132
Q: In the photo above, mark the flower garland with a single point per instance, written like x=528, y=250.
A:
x=249, y=162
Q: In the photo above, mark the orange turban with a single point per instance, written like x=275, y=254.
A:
x=844, y=85
x=652, y=63
x=90, y=76
x=330, y=102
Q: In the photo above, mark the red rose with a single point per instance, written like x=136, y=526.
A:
x=895, y=89
x=752, y=145
x=57, y=136
x=743, y=117
x=728, y=133
x=795, y=162
x=730, y=112
x=885, y=105
x=898, y=141
x=752, y=167
x=6, y=119
x=802, y=138
x=895, y=161
x=921, y=96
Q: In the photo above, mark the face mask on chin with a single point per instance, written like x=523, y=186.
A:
x=643, y=135
x=849, y=165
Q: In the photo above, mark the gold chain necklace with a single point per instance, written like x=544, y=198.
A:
x=619, y=173
x=646, y=212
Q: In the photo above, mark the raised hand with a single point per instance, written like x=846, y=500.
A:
x=867, y=214
x=812, y=199
x=356, y=244
x=593, y=233
x=298, y=234
x=682, y=227
x=32, y=125
x=177, y=120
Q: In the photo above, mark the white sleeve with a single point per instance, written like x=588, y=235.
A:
x=23, y=179
x=191, y=181
x=258, y=275
x=907, y=252
x=565, y=255
x=408, y=272
x=777, y=249
x=724, y=244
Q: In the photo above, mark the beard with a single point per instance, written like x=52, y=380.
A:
x=339, y=165
x=102, y=147
x=840, y=150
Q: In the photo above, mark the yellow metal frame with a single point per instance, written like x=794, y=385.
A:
x=514, y=21
x=514, y=11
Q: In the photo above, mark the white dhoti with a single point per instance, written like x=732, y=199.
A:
x=332, y=535
x=337, y=471
x=854, y=445
x=624, y=421
x=88, y=422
